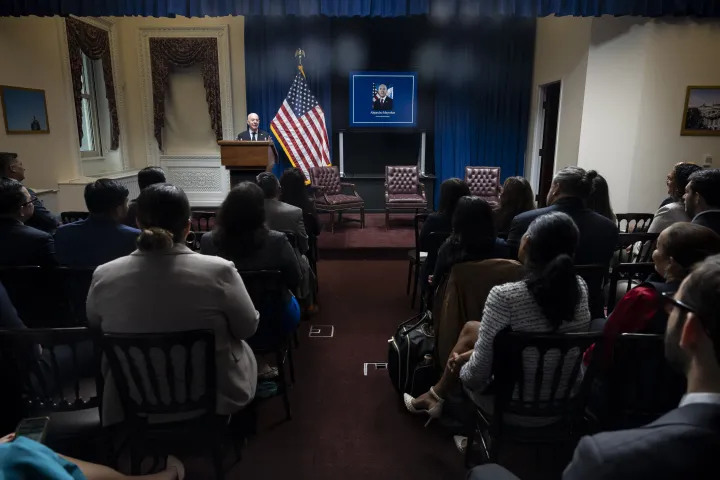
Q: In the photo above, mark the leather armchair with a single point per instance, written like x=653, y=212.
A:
x=484, y=182
x=403, y=190
x=329, y=196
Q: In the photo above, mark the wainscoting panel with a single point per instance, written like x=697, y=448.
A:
x=203, y=179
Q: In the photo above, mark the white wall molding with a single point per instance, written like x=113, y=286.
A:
x=203, y=179
x=109, y=25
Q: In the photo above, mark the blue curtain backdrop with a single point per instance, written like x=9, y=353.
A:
x=349, y=8
x=482, y=103
x=270, y=66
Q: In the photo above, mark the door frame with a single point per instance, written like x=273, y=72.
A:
x=538, y=134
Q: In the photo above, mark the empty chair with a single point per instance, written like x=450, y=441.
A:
x=484, y=182
x=329, y=196
x=403, y=191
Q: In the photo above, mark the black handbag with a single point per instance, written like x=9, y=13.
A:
x=410, y=356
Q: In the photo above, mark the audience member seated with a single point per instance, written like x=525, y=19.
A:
x=241, y=236
x=679, y=247
x=281, y=216
x=166, y=287
x=673, y=212
x=293, y=191
x=22, y=458
x=473, y=238
x=451, y=191
x=146, y=177
x=702, y=198
x=685, y=442
x=11, y=167
x=552, y=298
x=20, y=244
x=516, y=198
x=101, y=237
x=599, y=199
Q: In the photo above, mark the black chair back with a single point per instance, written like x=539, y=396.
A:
x=202, y=221
x=641, y=386
x=163, y=373
x=55, y=380
x=636, y=247
x=70, y=217
x=418, y=221
x=634, y=222
x=76, y=285
x=632, y=274
x=38, y=296
x=564, y=351
x=595, y=277
x=267, y=289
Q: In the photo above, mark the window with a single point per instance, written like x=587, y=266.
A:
x=91, y=141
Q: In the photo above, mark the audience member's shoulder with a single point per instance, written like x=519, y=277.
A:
x=276, y=237
x=32, y=232
x=605, y=222
x=532, y=214
x=128, y=230
x=510, y=289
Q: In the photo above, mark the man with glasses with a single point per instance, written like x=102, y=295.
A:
x=685, y=442
x=11, y=167
x=20, y=244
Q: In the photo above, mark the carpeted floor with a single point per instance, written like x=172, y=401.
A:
x=349, y=235
x=346, y=425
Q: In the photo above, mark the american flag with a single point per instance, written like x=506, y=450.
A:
x=300, y=128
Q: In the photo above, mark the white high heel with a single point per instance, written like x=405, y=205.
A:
x=433, y=413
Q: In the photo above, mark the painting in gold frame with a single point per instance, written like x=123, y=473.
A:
x=24, y=110
x=702, y=111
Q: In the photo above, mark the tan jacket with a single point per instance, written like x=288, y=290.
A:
x=462, y=298
x=176, y=291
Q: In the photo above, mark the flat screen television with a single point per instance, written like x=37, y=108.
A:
x=383, y=99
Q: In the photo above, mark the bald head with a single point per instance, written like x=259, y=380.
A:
x=253, y=122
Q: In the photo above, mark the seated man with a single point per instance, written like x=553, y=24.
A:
x=101, y=237
x=702, y=198
x=146, y=177
x=11, y=167
x=20, y=244
x=281, y=216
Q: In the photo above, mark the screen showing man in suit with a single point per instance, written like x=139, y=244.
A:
x=383, y=100
x=253, y=133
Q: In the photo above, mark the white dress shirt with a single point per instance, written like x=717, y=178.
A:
x=700, y=397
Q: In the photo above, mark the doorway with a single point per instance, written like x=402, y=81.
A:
x=548, y=115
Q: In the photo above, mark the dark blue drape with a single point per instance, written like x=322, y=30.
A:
x=270, y=66
x=349, y=8
x=482, y=103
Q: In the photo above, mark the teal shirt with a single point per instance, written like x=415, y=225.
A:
x=24, y=459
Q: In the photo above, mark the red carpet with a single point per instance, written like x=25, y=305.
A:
x=348, y=426
x=349, y=235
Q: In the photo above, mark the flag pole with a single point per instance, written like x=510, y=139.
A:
x=299, y=54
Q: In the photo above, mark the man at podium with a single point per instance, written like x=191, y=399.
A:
x=253, y=133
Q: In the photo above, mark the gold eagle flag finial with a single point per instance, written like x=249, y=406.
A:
x=299, y=54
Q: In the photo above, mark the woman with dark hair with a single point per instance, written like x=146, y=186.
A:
x=516, y=198
x=551, y=298
x=472, y=239
x=451, y=191
x=165, y=287
x=241, y=236
x=673, y=212
x=293, y=191
x=599, y=199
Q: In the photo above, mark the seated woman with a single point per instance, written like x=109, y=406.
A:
x=516, y=198
x=472, y=239
x=599, y=200
x=552, y=298
x=241, y=236
x=165, y=287
x=673, y=212
x=679, y=247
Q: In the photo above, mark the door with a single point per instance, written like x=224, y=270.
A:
x=551, y=109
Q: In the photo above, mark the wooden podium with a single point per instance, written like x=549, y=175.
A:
x=246, y=159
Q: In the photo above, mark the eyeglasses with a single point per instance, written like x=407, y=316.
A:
x=671, y=302
x=32, y=200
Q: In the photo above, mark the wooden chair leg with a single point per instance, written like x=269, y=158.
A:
x=362, y=217
x=283, y=384
x=332, y=222
x=291, y=361
x=387, y=218
x=410, y=271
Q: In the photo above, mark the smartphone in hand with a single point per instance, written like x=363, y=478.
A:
x=33, y=428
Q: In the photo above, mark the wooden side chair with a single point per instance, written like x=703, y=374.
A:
x=329, y=196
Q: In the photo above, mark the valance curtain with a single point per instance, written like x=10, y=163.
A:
x=95, y=44
x=363, y=8
x=185, y=52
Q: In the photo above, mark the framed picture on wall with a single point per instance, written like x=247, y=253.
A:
x=702, y=111
x=24, y=110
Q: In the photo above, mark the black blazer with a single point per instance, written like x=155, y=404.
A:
x=387, y=105
x=131, y=218
x=22, y=245
x=261, y=136
x=709, y=219
x=42, y=219
x=684, y=443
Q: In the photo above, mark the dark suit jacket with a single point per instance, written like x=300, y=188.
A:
x=22, y=245
x=131, y=218
x=682, y=444
x=709, y=219
x=42, y=219
x=261, y=136
x=387, y=105
x=93, y=241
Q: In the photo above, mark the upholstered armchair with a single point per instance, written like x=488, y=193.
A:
x=484, y=182
x=403, y=190
x=329, y=196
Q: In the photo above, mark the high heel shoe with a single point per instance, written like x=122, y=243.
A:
x=433, y=413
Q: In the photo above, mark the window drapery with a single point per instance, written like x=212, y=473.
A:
x=166, y=53
x=94, y=42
